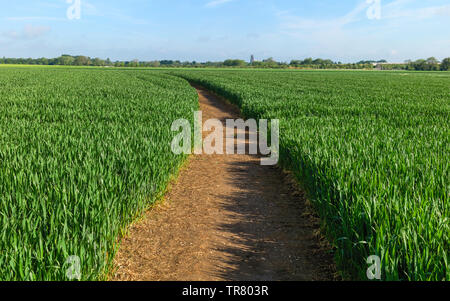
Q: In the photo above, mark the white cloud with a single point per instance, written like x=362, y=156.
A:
x=352, y=36
x=294, y=22
x=215, y=3
x=399, y=11
x=35, y=18
x=29, y=32
x=32, y=32
x=90, y=9
x=393, y=10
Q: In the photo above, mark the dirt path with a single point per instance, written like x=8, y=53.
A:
x=226, y=218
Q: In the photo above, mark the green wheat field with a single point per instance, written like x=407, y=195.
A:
x=85, y=151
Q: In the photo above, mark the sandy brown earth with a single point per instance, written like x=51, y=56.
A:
x=226, y=218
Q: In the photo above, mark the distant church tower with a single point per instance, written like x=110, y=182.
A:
x=252, y=59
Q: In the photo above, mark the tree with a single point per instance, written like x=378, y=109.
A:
x=166, y=62
x=318, y=62
x=445, y=65
x=98, y=62
x=154, y=64
x=119, y=64
x=270, y=62
x=42, y=61
x=420, y=65
x=134, y=63
x=234, y=63
x=81, y=61
x=308, y=61
x=65, y=60
x=433, y=64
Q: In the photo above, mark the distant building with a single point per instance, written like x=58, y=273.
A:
x=252, y=59
x=379, y=66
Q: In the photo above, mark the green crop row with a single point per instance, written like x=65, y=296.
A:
x=372, y=149
x=82, y=153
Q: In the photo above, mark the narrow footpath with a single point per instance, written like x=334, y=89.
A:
x=226, y=218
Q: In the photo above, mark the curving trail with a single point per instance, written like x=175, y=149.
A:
x=226, y=218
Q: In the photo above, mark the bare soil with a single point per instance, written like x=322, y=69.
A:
x=227, y=218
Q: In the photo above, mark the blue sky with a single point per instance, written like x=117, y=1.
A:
x=201, y=30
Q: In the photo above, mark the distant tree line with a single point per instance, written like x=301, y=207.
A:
x=430, y=64
x=372, y=62
x=79, y=60
x=310, y=63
